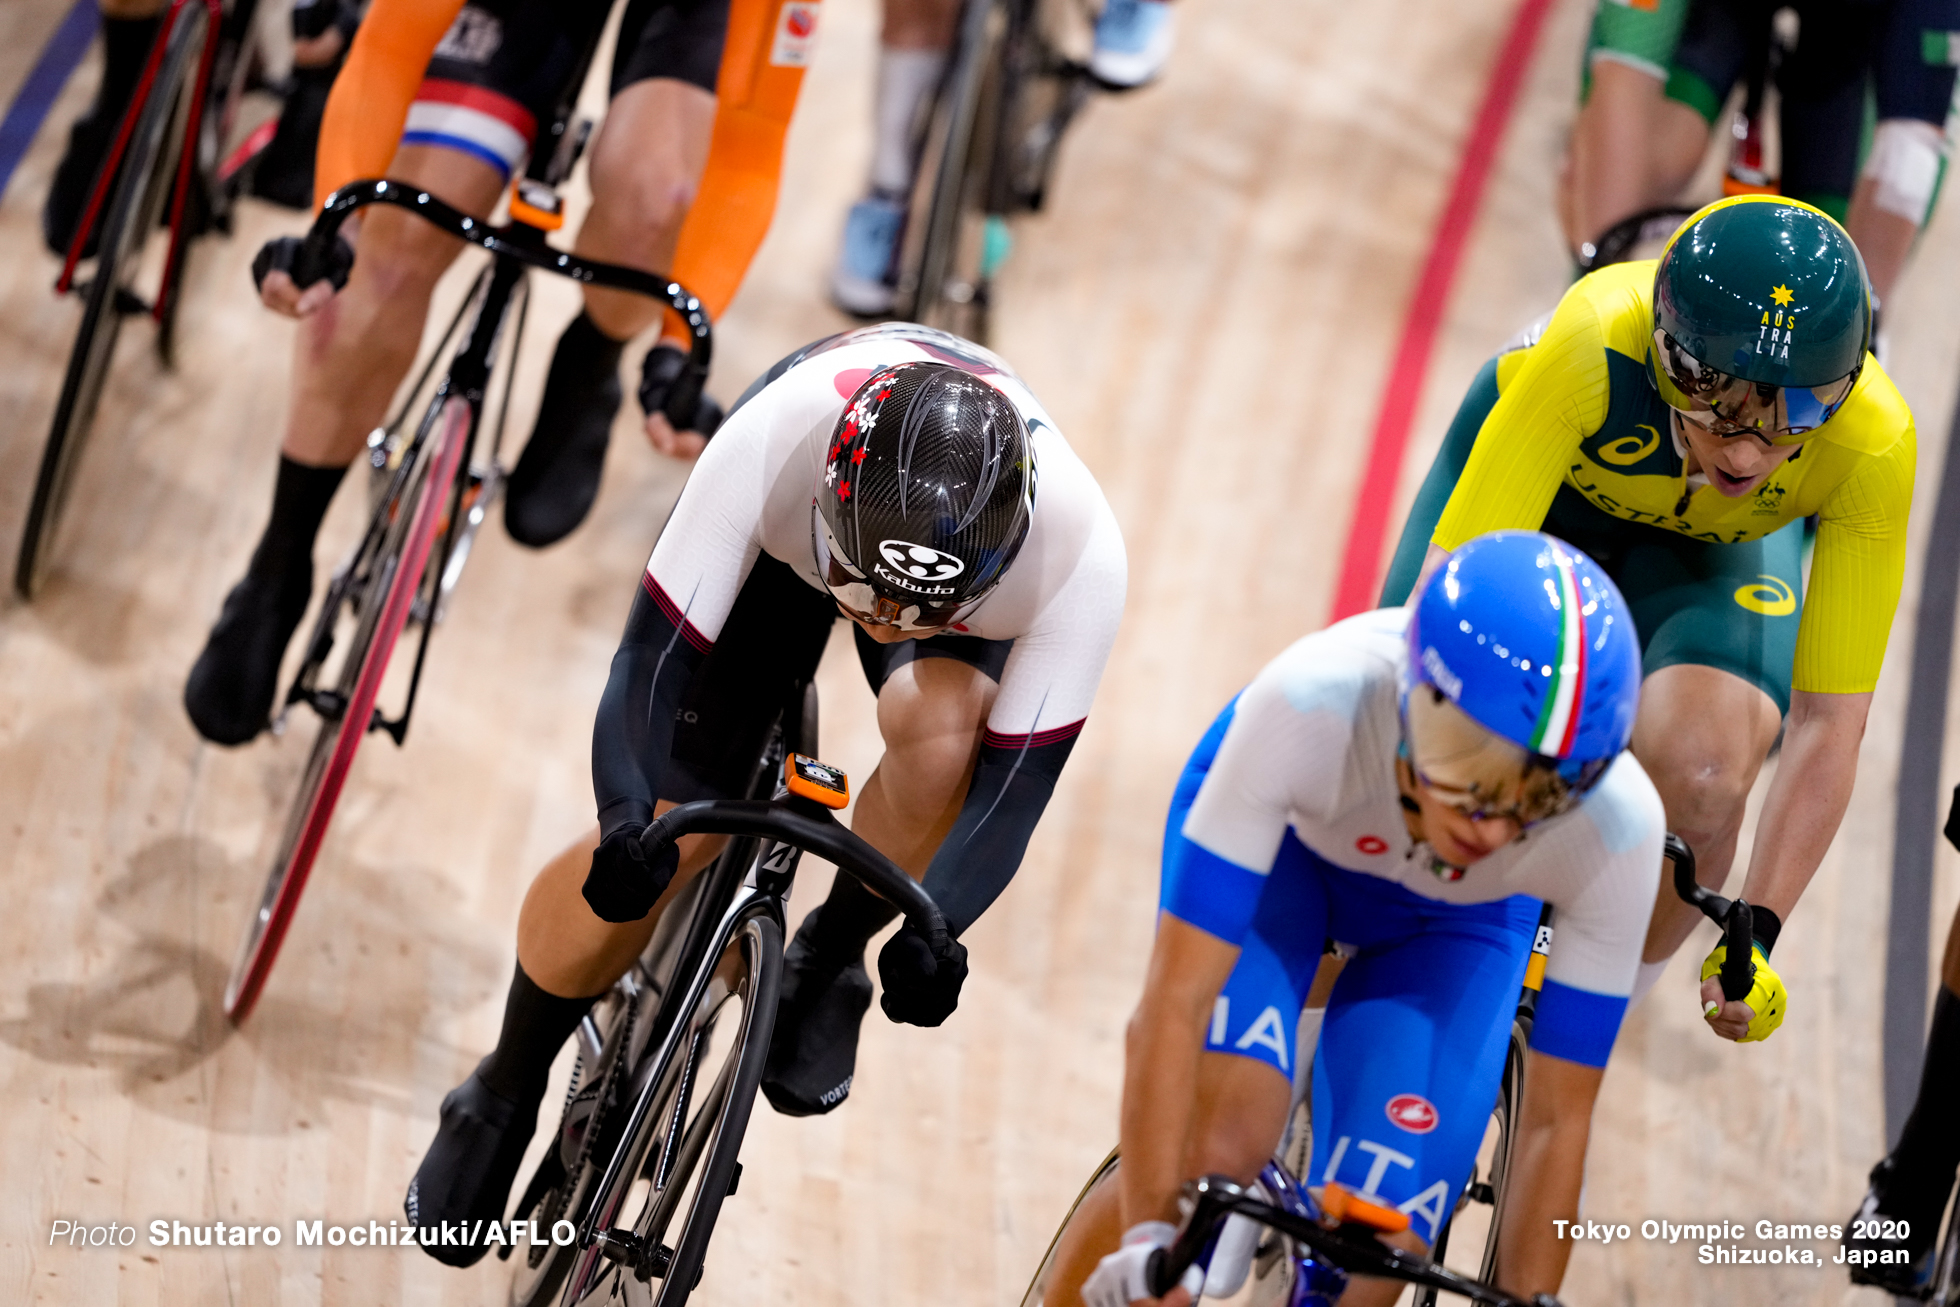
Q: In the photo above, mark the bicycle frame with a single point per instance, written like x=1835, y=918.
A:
x=515, y=248
x=753, y=876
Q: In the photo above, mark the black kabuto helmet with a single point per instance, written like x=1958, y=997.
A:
x=926, y=496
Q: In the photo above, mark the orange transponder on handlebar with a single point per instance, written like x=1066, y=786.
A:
x=1349, y=1208
x=818, y=782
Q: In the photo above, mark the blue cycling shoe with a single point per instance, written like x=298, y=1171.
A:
x=864, y=282
x=1133, y=42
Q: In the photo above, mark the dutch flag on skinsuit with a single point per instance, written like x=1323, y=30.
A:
x=493, y=127
x=1558, y=719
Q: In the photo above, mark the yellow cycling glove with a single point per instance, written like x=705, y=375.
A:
x=1767, y=996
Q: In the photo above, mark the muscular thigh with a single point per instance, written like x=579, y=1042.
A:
x=932, y=712
x=1413, y=1045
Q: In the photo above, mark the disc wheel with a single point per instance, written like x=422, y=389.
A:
x=136, y=201
x=684, y=1154
x=959, y=240
x=403, y=533
x=1470, y=1238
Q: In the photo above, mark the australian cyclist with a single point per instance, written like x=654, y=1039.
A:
x=1678, y=420
x=453, y=94
x=888, y=474
x=1410, y=783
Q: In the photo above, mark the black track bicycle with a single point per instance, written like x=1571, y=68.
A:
x=669, y=1061
x=986, y=150
x=433, y=484
x=1263, y=1251
x=182, y=156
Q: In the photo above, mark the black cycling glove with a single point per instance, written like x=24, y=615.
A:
x=687, y=406
x=920, y=990
x=279, y=255
x=623, y=883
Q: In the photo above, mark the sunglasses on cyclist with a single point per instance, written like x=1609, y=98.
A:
x=1481, y=774
x=1729, y=406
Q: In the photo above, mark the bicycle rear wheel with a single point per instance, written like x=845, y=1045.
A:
x=960, y=241
x=397, y=548
x=1470, y=1238
x=1039, y=1284
x=686, y=1153
x=143, y=185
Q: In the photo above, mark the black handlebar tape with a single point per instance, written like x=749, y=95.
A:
x=1683, y=857
x=1739, y=964
x=825, y=838
x=1154, y=1278
x=501, y=241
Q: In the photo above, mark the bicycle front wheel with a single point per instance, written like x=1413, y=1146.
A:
x=143, y=185
x=1470, y=1239
x=686, y=1151
x=404, y=533
x=1039, y=1284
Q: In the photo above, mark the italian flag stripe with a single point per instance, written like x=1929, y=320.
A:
x=1558, y=720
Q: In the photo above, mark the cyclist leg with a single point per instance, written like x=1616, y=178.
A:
x=646, y=164
x=1822, y=88
x=1626, y=61
x=1913, y=76
x=129, y=28
x=486, y=88
x=1714, y=50
x=566, y=955
x=933, y=699
x=1413, y=1047
x=912, y=48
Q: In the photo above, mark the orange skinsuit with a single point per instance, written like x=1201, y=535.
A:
x=754, y=99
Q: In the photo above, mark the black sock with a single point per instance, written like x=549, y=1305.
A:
x=299, y=501
x=847, y=920
x=125, y=49
x=1928, y=1151
x=536, y=1026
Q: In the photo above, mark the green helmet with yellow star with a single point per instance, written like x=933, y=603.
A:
x=1762, y=317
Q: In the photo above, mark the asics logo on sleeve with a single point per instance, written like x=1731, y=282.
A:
x=919, y=563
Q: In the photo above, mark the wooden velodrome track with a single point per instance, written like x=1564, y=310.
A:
x=1209, y=308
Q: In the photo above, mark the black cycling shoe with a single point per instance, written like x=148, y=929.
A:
x=283, y=174
x=1900, y=1266
x=556, y=479
x=467, y=1173
x=813, y=1053
x=229, y=692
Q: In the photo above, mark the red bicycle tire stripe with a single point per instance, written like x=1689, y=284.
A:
x=353, y=725
x=1361, y=557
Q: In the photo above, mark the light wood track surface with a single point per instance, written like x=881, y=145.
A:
x=1209, y=308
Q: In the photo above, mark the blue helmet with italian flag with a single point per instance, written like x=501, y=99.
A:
x=1523, y=676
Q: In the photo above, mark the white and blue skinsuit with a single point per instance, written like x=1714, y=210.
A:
x=1287, y=831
